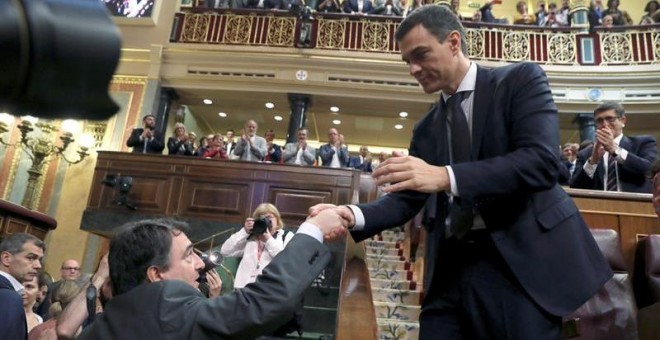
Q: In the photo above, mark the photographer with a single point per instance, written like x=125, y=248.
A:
x=146, y=139
x=257, y=246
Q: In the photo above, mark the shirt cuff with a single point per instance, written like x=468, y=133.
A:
x=452, y=181
x=589, y=168
x=312, y=230
x=622, y=154
x=359, y=217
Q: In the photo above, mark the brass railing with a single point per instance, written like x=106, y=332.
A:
x=508, y=43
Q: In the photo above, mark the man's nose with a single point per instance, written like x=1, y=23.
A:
x=414, y=68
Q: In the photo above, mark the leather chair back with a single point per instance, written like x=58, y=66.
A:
x=612, y=312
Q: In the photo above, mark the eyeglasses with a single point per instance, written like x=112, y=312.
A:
x=75, y=269
x=609, y=120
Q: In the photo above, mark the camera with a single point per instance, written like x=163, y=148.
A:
x=54, y=64
x=211, y=260
x=261, y=225
x=123, y=185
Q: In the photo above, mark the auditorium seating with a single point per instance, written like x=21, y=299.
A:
x=611, y=313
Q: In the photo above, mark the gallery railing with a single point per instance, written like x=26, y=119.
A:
x=629, y=45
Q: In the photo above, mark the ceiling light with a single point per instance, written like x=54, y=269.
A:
x=334, y=109
x=208, y=101
x=398, y=126
x=222, y=114
x=278, y=118
x=336, y=122
x=270, y=105
x=403, y=114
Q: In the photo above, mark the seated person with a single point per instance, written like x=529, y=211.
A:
x=216, y=148
x=299, y=152
x=153, y=269
x=179, y=144
x=256, y=250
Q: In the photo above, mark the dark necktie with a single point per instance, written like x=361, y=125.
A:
x=611, y=174
x=461, y=217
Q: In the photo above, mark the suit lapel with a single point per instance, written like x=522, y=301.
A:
x=481, y=103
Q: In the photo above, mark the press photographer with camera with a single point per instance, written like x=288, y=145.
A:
x=258, y=242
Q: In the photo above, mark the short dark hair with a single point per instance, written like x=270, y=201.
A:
x=606, y=106
x=13, y=244
x=138, y=246
x=147, y=116
x=647, y=8
x=439, y=20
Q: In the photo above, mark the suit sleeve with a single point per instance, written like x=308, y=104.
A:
x=531, y=161
x=290, y=151
x=261, y=307
x=134, y=139
x=156, y=144
x=309, y=154
x=326, y=153
x=639, y=161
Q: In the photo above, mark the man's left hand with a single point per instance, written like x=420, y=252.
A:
x=411, y=173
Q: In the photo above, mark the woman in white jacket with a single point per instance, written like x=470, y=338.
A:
x=257, y=250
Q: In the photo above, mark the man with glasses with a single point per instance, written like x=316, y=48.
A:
x=70, y=270
x=615, y=162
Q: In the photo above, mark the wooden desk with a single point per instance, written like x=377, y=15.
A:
x=18, y=219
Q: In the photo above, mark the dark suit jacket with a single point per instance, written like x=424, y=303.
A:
x=512, y=182
x=633, y=172
x=276, y=156
x=155, y=146
x=326, y=152
x=177, y=147
x=354, y=162
x=175, y=310
x=352, y=6
x=12, y=316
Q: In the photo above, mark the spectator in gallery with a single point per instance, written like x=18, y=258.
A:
x=215, y=149
x=179, y=144
x=655, y=175
x=522, y=17
x=299, y=152
x=619, y=17
x=215, y=4
x=455, y=7
x=616, y=162
x=251, y=147
x=550, y=19
x=359, y=7
x=608, y=21
x=651, y=11
x=334, y=154
x=230, y=143
x=564, y=13
x=362, y=161
x=476, y=17
x=203, y=146
x=487, y=11
x=192, y=137
x=329, y=6
x=274, y=153
x=541, y=14
x=146, y=139
x=387, y=8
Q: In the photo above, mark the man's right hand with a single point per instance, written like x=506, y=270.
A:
x=330, y=222
x=344, y=212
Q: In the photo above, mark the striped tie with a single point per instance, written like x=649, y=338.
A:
x=611, y=174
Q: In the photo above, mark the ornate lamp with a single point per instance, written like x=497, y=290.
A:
x=41, y=149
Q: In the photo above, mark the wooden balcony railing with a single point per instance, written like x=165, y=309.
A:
x=630, y=45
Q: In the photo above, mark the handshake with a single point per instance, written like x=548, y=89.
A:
x=332, y=220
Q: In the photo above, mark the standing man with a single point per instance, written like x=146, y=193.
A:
x=615, y=162
x=274, y=153
x=508, y=253
x=230, y=143
x=361, y=161
x=334, y=154
x=251, y=147
x=299, y=152
x=20, y=261
x=146, y=139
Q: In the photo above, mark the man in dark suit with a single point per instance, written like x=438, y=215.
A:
x=507, y=252
x=154, y=269
x=615, y=162
x=334, y=154
x=361, y=161
x=20, y=261
x=146, y=139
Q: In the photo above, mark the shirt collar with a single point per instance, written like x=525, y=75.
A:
x=468, y=83
x=617, y=140
x=14, y=283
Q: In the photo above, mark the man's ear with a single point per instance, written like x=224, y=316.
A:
x=154, y=274
x=455, y=40
x=5, y=258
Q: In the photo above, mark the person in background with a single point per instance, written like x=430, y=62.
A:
x=29, y=295
x=274, y=151
x=619, y=17
x=146, y=139
x=230, y=143
x=608, y=21
x=47, y=330
x=299, y=152
x=487, y=11
x=476, y=17
x=251, y=147
x=329, y=6
x=652, y=12
x=334, y=154
x=616, y=162
x=20, y=261
x=362, y=161
x=202, y=147
x=522, y=17
x=215, y=149
x=541, y=14
x=655, y=175
x=179, y=144
x=41, y=307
